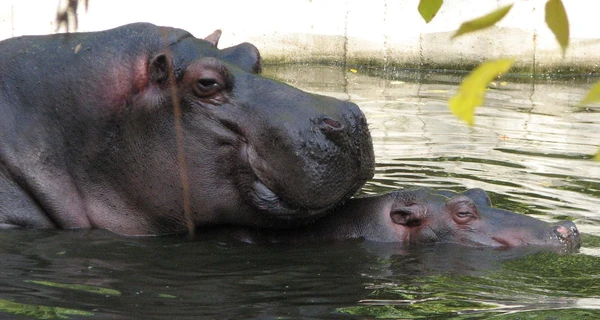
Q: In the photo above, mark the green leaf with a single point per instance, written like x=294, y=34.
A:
x=593, y=95
x=557, y=21
x=472, y=90
x=429, y=8
x=79, y=287
x=40, y=312
x=597, y=156
x=482, y=22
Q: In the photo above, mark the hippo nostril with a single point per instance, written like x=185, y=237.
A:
x=330, y=124
x=566, y=233
x=562, y=232
x=332, y=129
x=566, y=228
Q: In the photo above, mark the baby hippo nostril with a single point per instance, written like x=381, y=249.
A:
x=567, y=233
x=567, y=228
x=561, y=232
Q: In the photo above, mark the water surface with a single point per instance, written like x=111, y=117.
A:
x=530, y=149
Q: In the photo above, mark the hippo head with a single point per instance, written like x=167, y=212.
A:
x=437, y=216
x=420, y=216
x=129, y=127
x=258, y=151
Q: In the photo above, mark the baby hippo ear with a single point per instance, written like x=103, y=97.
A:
x=214, y=37
x=408, y=216
x=479, y=196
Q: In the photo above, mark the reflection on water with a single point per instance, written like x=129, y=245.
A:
x=530, y=149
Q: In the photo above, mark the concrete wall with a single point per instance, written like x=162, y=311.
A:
x=383, y=32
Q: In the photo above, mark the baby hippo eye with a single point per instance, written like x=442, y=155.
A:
x=206, y=87
x=464, y=214
x=462, y=209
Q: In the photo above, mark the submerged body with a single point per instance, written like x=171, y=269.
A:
x=420, y=216
x=89, y=137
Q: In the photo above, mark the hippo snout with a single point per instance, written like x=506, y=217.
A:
x=306, y=152
x=348, y=129
x=566, y=233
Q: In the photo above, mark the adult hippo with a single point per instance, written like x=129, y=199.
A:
x=423, y=215
x=88, y=135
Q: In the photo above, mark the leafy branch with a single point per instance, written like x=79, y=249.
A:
x=472, y=90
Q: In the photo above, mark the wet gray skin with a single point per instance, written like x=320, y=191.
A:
x=89, y=138
x=423, y=215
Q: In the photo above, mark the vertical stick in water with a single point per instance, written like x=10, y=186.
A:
x=185, y=186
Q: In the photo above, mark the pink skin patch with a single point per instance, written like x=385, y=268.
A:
x=124, y=81
x=514, y=238
x=564, y=231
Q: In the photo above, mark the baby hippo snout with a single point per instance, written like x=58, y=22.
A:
x=567, y=233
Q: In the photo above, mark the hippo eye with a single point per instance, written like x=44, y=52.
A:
x=462, y=209
x=464, y=214
x=206, y=87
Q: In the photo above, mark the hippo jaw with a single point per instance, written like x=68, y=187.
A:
x=261, y=196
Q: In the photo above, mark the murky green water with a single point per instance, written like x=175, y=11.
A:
x=530, y=149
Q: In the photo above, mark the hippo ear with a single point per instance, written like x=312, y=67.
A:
x=446, y=193
x=408, y=216
x=479, y=196
x=244, y=55
x=214, y=37
x=158, y=69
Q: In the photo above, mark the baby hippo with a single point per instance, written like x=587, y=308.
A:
x=424, y=215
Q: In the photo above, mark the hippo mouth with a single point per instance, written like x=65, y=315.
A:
x=263, y=197
x=268, y=201
x=261, y=190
